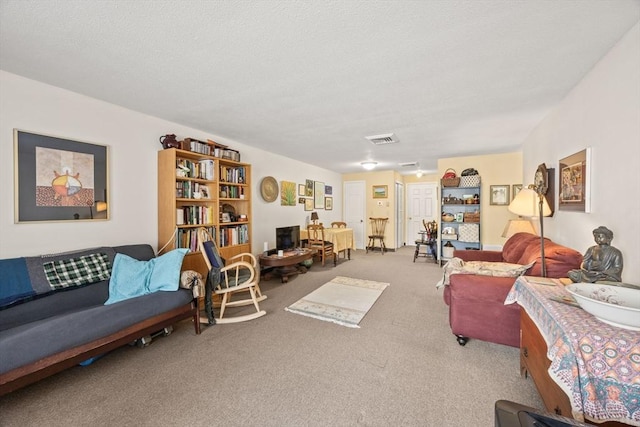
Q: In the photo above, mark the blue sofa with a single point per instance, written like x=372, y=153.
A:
x=46, y=327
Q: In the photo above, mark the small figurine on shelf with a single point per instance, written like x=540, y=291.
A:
x=601, y=262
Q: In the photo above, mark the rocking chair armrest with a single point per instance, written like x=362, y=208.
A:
x=240, y=257
x=232, y=272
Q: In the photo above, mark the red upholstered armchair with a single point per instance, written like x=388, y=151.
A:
x=476, y=303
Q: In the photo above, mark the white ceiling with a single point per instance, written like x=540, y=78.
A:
x=310, y=79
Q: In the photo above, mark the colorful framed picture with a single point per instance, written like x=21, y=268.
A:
x=499, y=195
x=287, y=193
x=380, y=191
x=58, y=179
x=328, y=203
x=574, y=192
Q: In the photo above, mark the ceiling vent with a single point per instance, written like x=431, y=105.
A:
x=387, y=138
x=409, y=164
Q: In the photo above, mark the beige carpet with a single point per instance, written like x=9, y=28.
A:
x=343, y=300
x=402, y=367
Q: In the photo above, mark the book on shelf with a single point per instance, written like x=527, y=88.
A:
x=234, y=235
x=232, y=174
x=188, y=237
x=202, y=169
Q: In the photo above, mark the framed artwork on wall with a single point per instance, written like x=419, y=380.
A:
x=574, y=192
x=328, y=203
x=308, y=204
x=302, y=191
x=318, y=195
x=308, y=188
x=380, y=191
x=287, y=193
x=499, y=195
x=59, y=179
x=515, y=189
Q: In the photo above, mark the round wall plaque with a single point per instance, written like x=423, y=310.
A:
x=269, y=189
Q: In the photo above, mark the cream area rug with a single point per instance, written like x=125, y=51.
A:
x=343, y=300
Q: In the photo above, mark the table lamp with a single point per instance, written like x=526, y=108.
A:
x=314, y=218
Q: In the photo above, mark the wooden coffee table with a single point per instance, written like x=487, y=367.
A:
x=286, y=265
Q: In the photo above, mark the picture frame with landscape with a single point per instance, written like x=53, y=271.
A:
x=380, y=191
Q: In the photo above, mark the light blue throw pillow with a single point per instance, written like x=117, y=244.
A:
x=132, y=278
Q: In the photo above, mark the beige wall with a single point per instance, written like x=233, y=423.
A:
x=379, y=208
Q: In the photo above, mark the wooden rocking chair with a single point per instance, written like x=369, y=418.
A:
x=227, y=280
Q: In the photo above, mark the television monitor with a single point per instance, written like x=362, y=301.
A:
x=288, y=238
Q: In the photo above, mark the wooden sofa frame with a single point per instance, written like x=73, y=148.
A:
x=33, y=372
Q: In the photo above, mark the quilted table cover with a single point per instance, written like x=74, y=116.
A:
x=597, y=365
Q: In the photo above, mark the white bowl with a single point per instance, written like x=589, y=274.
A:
x=615, y=305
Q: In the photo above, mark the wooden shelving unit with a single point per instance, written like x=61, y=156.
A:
x=195, y=190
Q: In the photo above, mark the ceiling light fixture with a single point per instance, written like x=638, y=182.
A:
x=419, y=174
x=369, y=165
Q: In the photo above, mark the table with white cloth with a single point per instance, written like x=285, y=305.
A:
x=342, y=239
x=597, y=365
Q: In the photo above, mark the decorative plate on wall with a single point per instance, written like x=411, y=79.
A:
x=269, y=189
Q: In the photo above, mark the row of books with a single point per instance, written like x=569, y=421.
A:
x=203, y=169
x=193, y=215
x=192, y=190
x=196, y=146
x=232, y=174
x=231, y=192
x=188, y=237
x=210, y=148
x=234, y=235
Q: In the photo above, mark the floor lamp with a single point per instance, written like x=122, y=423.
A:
x=530, y=204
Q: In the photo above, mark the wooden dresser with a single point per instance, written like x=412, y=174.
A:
x=583, y=351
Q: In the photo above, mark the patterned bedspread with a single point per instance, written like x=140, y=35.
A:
x=596, y=364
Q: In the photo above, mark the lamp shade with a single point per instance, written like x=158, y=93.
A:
x=526, y=204
x=518, y=226
x=314, y=216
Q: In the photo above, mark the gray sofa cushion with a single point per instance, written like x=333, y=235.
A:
x=30, y=342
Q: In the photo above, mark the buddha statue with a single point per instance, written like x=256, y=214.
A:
x=602, y=262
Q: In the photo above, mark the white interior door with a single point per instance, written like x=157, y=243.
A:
x=399, y=215
x=354, y=205
x=422, y=204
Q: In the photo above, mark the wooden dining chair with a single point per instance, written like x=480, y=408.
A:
x=227, y=279
x=315, y=233
x=377, y=234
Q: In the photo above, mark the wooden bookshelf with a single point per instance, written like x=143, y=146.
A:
x=196, y=190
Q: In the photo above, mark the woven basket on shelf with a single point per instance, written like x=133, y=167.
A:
x=449, y=179
x=450, y=182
